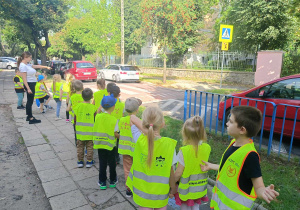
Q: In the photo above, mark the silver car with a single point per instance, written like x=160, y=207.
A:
x=119, y=73
x=6, y=63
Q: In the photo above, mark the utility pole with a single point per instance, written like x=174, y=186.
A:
x=122, y=31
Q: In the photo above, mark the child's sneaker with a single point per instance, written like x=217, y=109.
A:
x=102, y=185
x=128, y=193
x=79, y=164
x=67, y=120
x=58, y=118
x=89, y=163
x=113, y=184
x=20, y=107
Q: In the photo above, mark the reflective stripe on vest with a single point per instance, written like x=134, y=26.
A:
x=192, y=189
x=56, y=94
x=226, y=191
x=126, y=141
x=17, y=86
x=151, y=197
x=85, y=124
x=38, y=92
x=150, y=179
x=194, y=177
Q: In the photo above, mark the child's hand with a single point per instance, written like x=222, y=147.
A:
x=206, y=167
x=269, y=193
x=172, y=193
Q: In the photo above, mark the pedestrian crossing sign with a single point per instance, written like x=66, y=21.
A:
x=226, y=32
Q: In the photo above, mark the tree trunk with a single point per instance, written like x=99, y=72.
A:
x=165, y=69
x=35, y=55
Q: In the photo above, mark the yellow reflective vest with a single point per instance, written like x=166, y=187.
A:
x=56, y=94
x=104, y=131
x=126, y=142
x=193, y=182
x=150, y=186
x=75, y=100
x=85, y=115
x=66, y=90
x=39, y=93
x=119, y=109
x=227, y=193
x=99, y=95
x=21, y=81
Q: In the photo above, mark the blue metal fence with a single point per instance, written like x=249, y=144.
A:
x=216, y=110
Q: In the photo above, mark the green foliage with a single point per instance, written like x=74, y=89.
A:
x=291, y=64
x=263, y=25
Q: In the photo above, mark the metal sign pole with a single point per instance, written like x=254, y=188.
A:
x=222, y=70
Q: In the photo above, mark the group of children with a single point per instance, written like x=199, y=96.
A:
x=153, y=171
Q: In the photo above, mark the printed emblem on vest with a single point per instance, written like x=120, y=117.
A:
x=160, y=161
x=143, y=159
x=88, y=115
x=230, y=171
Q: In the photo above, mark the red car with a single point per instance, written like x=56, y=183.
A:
x=82, y=70
x=285, y=90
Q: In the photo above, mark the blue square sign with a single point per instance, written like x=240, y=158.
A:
x=226, y=33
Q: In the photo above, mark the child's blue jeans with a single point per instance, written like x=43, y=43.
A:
x=58, y=105
x=20, y=98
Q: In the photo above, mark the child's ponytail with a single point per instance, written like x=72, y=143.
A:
x=150, y=144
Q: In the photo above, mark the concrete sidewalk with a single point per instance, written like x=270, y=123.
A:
x=51, y=146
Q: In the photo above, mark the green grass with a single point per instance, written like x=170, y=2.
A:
x=21, y=140
x=46, y=138
x=276, y=170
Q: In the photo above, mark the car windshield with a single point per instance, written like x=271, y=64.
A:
x=84, y=65
x=128, y=68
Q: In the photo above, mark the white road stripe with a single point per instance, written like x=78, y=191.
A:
x=135, y=88
x=177, y=107
x=167, y=103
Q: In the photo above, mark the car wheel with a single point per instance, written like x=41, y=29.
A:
x=117, y=78
x=94, y=80
x=8, y=67
x=102, y=75
x=114, y=78
x=227, y=115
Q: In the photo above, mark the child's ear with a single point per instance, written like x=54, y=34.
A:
x=243, y=130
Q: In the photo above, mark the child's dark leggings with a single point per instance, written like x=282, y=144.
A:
x=67, y=114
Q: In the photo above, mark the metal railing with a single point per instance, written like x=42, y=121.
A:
x=215, y=109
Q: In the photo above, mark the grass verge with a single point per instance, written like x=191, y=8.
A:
x=224, y=91
x=276, y=170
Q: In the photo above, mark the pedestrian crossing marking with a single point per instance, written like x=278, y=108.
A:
x=226, y=32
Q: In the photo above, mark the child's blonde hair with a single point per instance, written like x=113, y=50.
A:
x=193, y=132
x=69, y=78
x=56, y=78
x=153, y=120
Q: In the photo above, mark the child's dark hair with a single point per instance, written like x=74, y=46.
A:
x=249, y=118
x=101, y=82
x=77, y=85
x=115, y=90
x=87, y=94
x=109, y=86
x=17, y=70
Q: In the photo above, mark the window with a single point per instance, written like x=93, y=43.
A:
x=289, y=89
x=128, y=68
x=114, y=67
x=84, y=65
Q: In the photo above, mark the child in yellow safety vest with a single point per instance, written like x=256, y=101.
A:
x=239, y=180
x=192, y=187
x=57, y=90
x=42, y=93
x=118, y=111
x=75, y=99
x=67, y=92
x=19, y=88
x=85, y=113
x=105, y=133
x=100, y=93
x=151, y=175
x=126, y=142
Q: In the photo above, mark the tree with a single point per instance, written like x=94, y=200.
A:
x=258, y=25
x=169, y=22
x=40, y=16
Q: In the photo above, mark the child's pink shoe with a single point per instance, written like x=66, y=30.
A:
x=67, y=120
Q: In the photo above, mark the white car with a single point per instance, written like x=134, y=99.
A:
x=6, y=63
x=119, y=73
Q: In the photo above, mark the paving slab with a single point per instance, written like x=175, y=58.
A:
x=31, y=135
x=89, y=185
x=101, y=197
x=68, y=155
x=35, y=157
x=34, y=142
x=59, y=141
x=86, y=207
x=47, y=164
x=70, y=164
x=121, y=206
x=59, y=186
x=83, y=173
x=53, y=174
x=65, y=147
x=39, y=148
x=69, y=200
x=47, y=155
